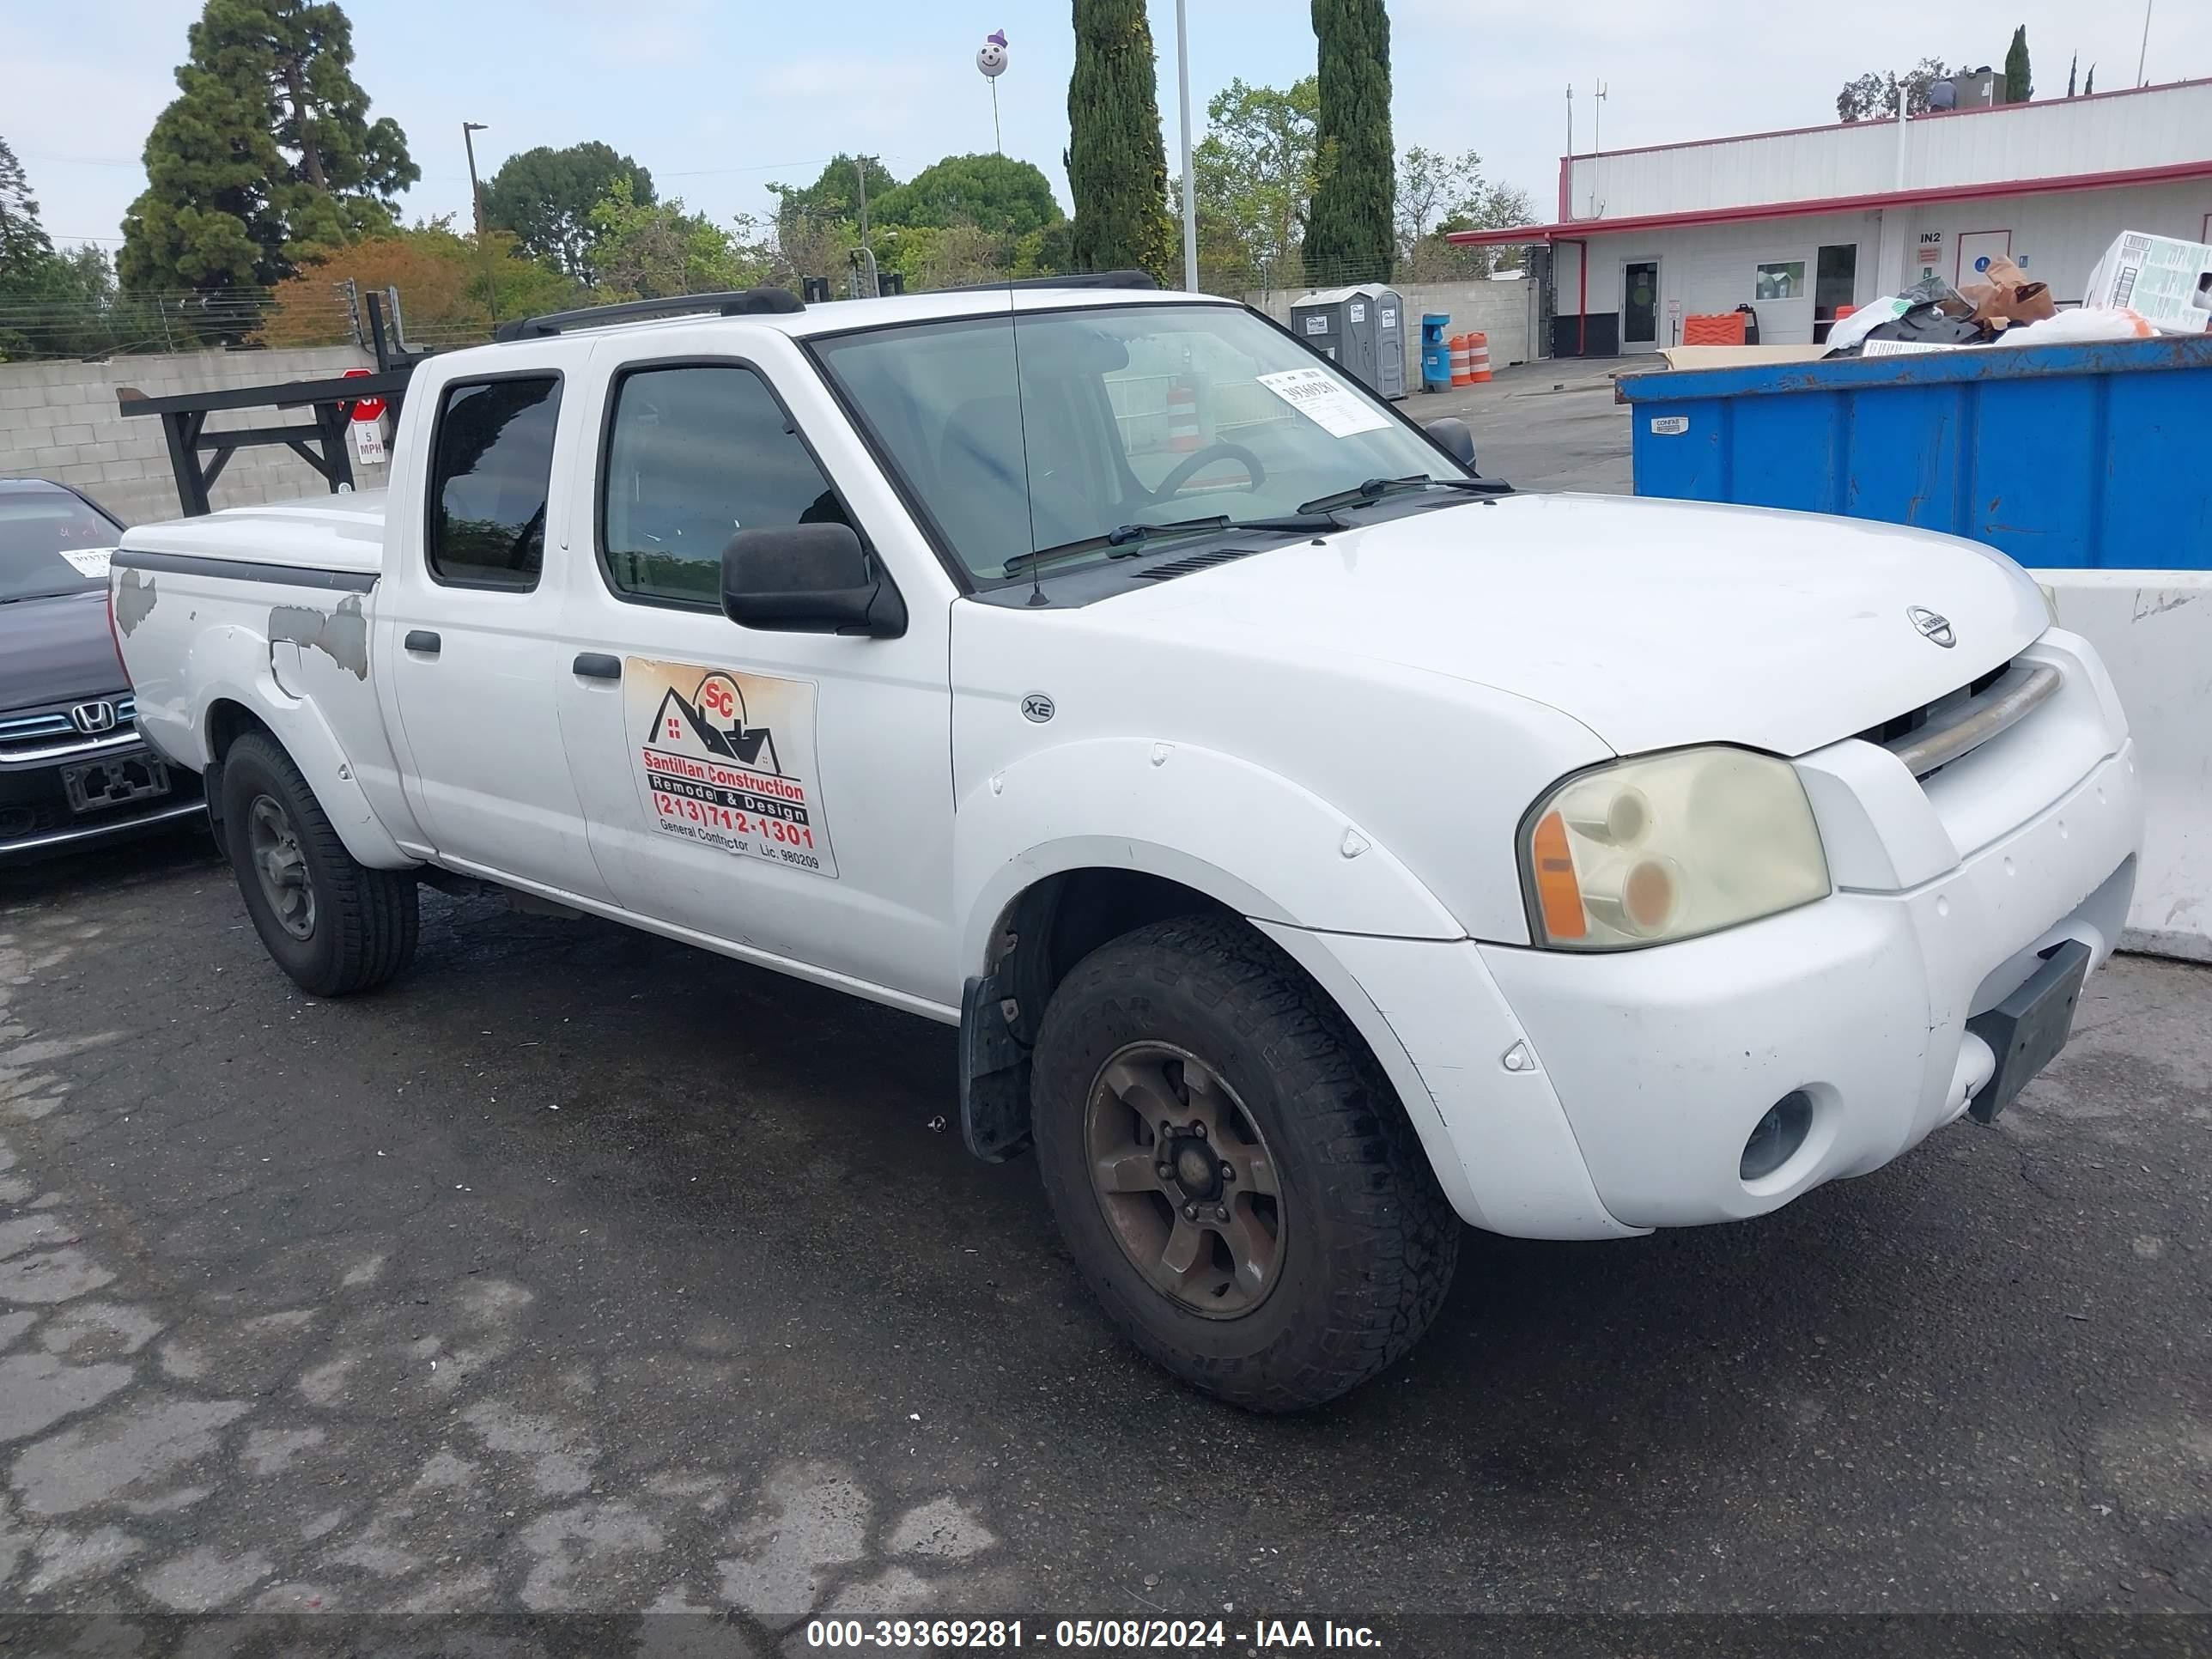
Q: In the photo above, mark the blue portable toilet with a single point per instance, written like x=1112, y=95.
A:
x=1436, y=352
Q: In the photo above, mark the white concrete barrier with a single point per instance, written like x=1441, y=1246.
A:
x=2154, y=629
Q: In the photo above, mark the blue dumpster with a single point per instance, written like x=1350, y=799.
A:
x=2068, y=457
x=1436, y=354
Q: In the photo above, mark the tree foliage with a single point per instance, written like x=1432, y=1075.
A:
x=545, y=197
x=1350, y=233
x=836, y=193
x=1256, y=171
x=995, y=194
x=267, y=149
x=441, y=276
x=648, y=250
x=1117, y=167
x=1438, y=194
x=2019, y=80
x=1873, y=96
x=23, y=240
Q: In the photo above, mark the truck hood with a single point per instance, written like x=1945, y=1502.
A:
x=56, y=650
x=1654, y=623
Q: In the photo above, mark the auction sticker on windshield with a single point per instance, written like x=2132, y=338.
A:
x=1325, y=400
x=87, y=561
x=726, y=759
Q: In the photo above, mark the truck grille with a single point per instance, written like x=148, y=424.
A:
x=54, y=733
x=1931, y=737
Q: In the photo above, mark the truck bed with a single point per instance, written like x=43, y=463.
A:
x=316, y=532
x=269, y=611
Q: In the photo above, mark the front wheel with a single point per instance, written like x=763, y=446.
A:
x=333, y=924
x=1238, y=1180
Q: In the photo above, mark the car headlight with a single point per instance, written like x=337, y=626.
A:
x=1667, y=847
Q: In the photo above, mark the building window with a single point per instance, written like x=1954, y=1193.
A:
x=1835, y=279
x=1784, y=280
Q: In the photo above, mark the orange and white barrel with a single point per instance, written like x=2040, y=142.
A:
x=1184, y=437
x=1463, y=360
x=1478, y=358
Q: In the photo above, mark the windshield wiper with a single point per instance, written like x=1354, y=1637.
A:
x=1119, y=543
x=1374, y=489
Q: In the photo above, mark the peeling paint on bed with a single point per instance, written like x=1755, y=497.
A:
x=134, y=601
x=341, y=634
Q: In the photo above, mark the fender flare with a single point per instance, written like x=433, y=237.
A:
x=1256, y=840
x=299, y=727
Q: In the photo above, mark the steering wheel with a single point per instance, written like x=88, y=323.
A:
x=1187, y=468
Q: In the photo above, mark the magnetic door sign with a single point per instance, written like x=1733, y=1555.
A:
x=726, y=759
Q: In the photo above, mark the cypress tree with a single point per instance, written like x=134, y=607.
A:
x=1350, y=235
x=2020, y=85
x=227, y=202
x=1117, y=165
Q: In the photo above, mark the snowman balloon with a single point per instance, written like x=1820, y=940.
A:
x=991, y=58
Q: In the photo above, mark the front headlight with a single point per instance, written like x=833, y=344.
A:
x=1640, y=852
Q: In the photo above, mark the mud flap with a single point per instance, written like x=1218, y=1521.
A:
x=994, y=1076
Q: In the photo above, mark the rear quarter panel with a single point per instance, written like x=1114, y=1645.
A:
x=293, y=656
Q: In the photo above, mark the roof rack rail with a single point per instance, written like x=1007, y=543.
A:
x=737, y=302
x=1078, y=279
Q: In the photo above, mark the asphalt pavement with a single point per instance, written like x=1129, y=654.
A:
x=1544, y=425
x=581, y=1271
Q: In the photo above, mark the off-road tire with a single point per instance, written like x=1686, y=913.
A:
x=365, y=921
x=1370, y=1241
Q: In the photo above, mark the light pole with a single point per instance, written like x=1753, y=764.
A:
x=468, y=131
x=1189, y=184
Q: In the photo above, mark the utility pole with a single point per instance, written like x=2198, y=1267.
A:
x=1597, y=119
x=860, y=174
x=468, y=131
x=1189, y=184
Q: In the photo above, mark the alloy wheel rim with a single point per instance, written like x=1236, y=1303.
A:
x=282, y=866
x=1184, y=1179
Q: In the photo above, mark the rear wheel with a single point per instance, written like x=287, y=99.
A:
x=333, y=923
x=1236, y=1179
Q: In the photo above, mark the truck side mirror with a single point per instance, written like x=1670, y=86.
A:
x=807, y=579
x=1451, y=435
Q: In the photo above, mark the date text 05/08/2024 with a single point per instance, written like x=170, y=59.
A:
x=1267, y=1635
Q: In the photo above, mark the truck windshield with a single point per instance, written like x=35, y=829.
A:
x=38, y=531
x=1124, y=420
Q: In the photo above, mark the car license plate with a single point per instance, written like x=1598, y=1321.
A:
x=2026, y=1029
x=99, y=785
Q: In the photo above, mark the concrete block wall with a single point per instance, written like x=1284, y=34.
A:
x=2154, y=629
x=1505, y=310
x=59, y=421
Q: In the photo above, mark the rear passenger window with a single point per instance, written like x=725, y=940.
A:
x=491, y=474
x=693, y=454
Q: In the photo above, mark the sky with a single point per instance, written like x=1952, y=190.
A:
x=718, y=98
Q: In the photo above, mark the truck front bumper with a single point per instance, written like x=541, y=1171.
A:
x=1587, y=1096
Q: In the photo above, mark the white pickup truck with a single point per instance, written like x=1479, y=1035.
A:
x=1317, y=845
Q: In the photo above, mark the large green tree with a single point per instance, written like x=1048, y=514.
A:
x=545, y=197
x=23, y=240
x=996, y=194
x=267, y=150
x=2019, y=83
x=1117, y=165
x=836, y=193
x=1352, y=234
x=1256, y=171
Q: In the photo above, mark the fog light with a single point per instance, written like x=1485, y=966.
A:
x=1778, y=1136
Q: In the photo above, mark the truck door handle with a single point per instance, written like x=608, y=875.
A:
x=422, y=640
x=597, y=666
